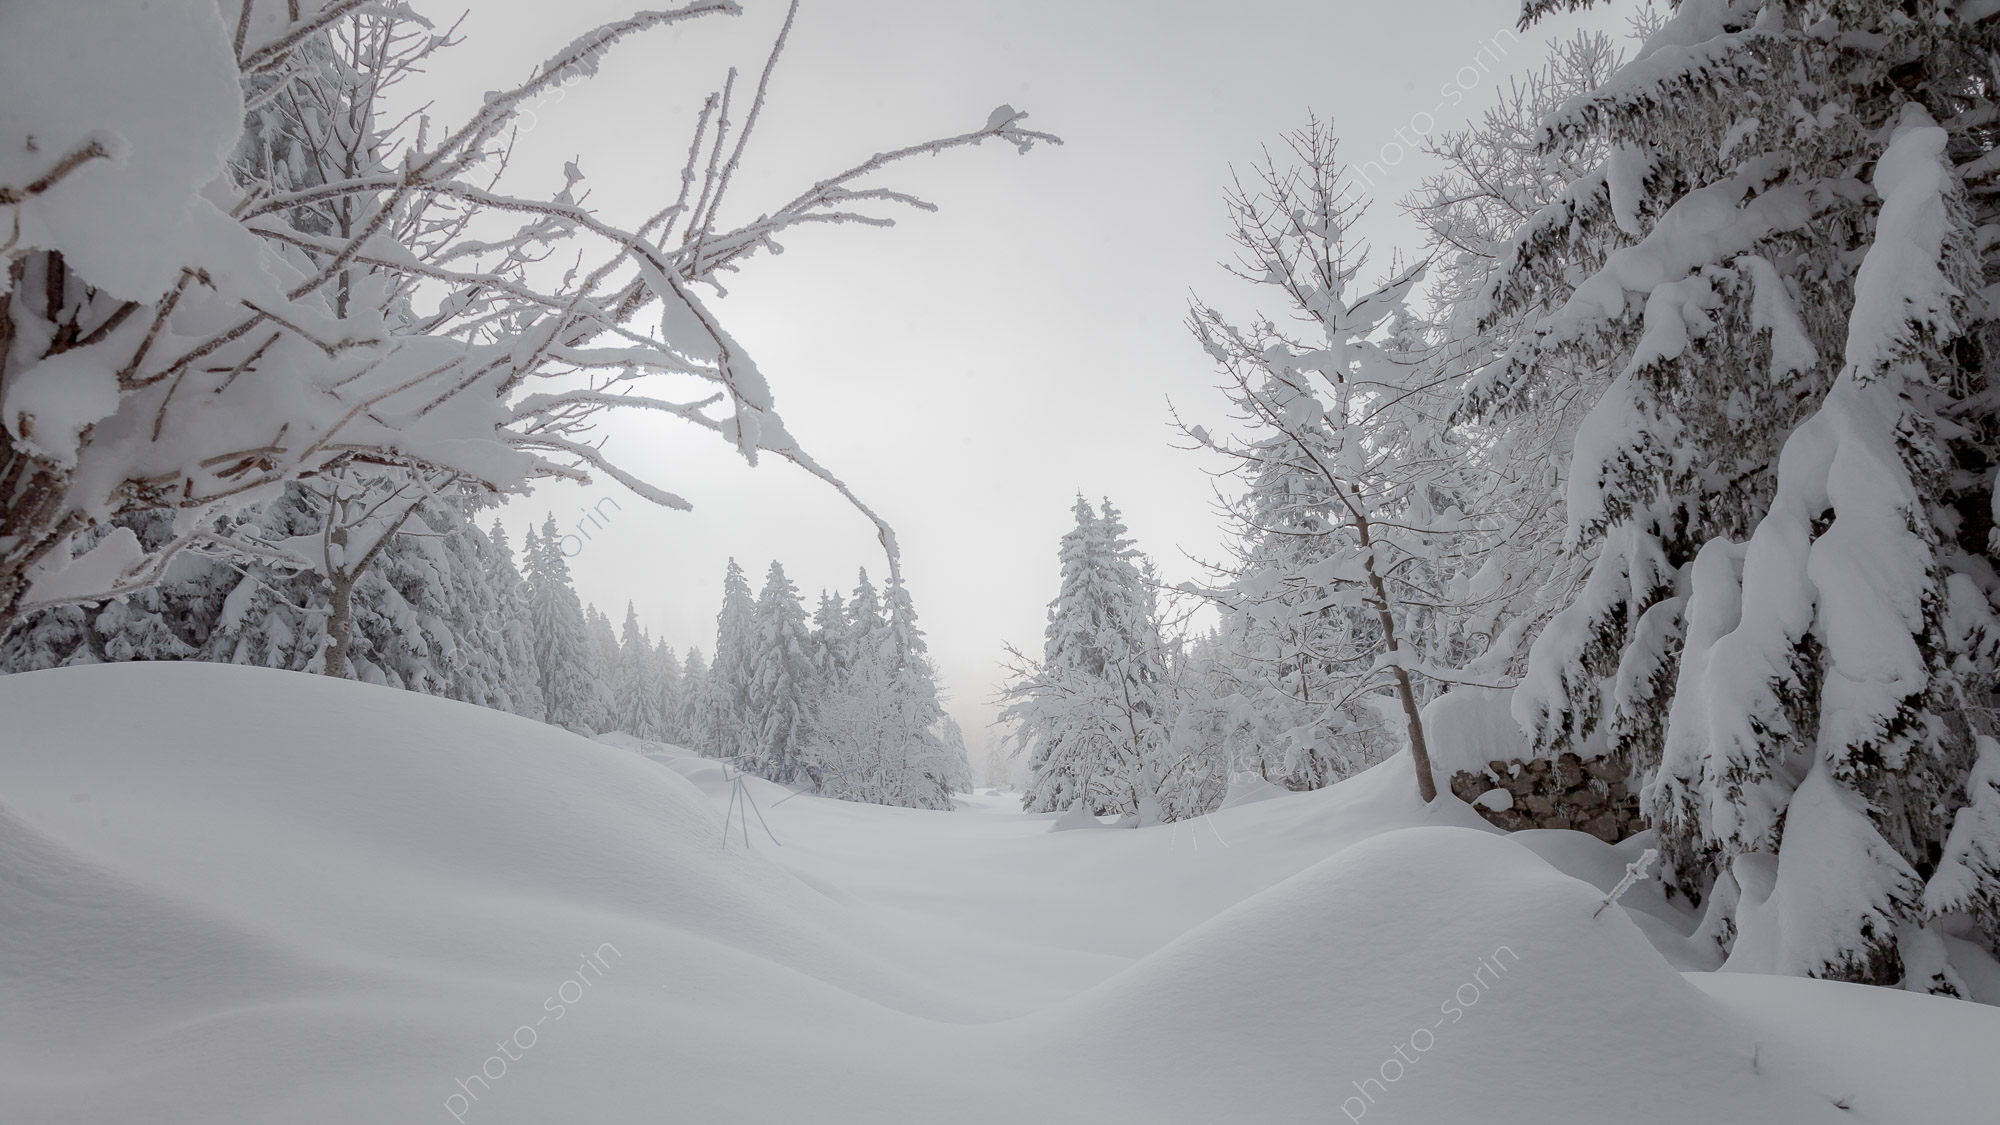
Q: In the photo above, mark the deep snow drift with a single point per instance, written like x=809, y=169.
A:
x=351, y=904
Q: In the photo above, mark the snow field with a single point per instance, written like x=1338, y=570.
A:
x=348, y=903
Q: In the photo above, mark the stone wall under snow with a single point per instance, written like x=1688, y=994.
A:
x=1589, y=795
x=1475, y=741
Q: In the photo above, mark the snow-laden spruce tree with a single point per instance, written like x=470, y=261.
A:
x=867, y=625
x=574, y=680
x=1788, y=483
x=935, y=756
x=401, y=606
x=879, y=734
x=784, y=682
x=241, y=263
x=731, y=728
x=881, y=738
x=830, y=629
x=1349, y=515
x=668, y=686
x=511, y=631
x=637, y=687
x=1095, y=712
x=1506, y=574
x=604, y=638
x=695, y=713
x=446, y=562
x=427, y=615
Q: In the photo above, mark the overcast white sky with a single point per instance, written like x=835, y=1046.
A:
x=968, y=371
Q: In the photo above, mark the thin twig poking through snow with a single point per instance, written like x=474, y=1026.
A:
x=1634, y=871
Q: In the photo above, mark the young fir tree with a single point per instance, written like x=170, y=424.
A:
x=831, y=654
x=416, y=604
x=1787, y=629
x=1094, y=712
x=638, y=683
x=510, y=630
x=783, y=684
x=935, y=757
x=603, y=637
x=879, y=738
x=731, y=729
x=667, y=689
x=695, y=711
x=867, y=626
x=952, y=739
x=880, y=735
x=572, y=669
x=478, y=667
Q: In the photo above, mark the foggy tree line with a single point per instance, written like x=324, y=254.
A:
x=845, y=703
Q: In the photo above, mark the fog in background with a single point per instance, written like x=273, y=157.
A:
x=967, y=372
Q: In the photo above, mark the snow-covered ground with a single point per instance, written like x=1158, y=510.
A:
x=349, y=904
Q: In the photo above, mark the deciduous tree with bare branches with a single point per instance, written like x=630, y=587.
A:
x=246, y=269
x=1347, y=478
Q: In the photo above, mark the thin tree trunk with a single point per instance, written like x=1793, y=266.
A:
x=340, y=599
x=1420, y=754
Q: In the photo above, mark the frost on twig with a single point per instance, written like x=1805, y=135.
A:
x=358, y=288
x=1634, y=871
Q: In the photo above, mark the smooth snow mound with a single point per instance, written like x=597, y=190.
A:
x=1425, y=975
x=247, y=895
x=342, y=903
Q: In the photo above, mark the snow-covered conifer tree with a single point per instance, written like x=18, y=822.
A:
x=605, y=637
x=867, y=624
x=696, y=712
x=1506, y=573
x=425, y=612
x=732, y=731
x=667, y=690
x=511, y=628
x=831, y=653
x=637, y=686
x=1788, y=481
x=784, y=682
x=1094, y=713
x=448, y=561
x=879, y=731
x=573, y=676
x=53, y=638
x=880, y=738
